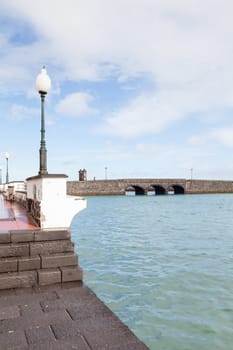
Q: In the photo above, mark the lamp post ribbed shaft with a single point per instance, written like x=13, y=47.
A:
x=7, y=174
x=43, y=150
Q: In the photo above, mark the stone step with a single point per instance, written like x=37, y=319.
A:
x=60, y=275
x=18, y=279
x=17, y=264
x=16, y=236
x=30, y=258
x=30, y=248
x=25, y=279
x=58, y=260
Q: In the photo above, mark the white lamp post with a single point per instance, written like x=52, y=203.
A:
x=47, y=192
x=191, y=173
x=7, y=174
x=43, y=85
x=106, y=174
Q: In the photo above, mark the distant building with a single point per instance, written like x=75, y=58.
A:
x=82, y=175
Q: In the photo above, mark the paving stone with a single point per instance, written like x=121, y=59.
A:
x=6, y=293
x=39, y=334
x=76, y=308
x=9, y=312
x=73, y=285
x=76, y=343
x=137, y=345
x=112, y=333
x=49, y=292
x=106, y=322
x=29, y=310
x=75, y=290
x=89, y=309
x=28, y=296
x=33, y=320
x=56, y=330
x=24, y=291
x=77, y=295
x=65, y=330
x=48, y=306
x=13, y=340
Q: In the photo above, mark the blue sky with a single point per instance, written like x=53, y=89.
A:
x=142, y=87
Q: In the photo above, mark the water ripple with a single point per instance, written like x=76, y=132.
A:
x=164, y=264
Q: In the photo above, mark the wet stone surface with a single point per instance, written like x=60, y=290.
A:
x=61, y=317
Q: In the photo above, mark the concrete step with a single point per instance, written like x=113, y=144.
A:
x=58, y=260
x=18, y=279
x=29, y=258
x=60, y=275
x=17, y=236
x=30, y=248
x=17, y=264
x=25, y=279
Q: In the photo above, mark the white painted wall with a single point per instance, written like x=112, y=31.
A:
x=57, y=209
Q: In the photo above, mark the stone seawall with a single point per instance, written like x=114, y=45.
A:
x=31, y=258
x=143, y=186
x=209, y=186
x=93, y=188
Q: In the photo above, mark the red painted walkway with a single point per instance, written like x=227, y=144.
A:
x=14, y=217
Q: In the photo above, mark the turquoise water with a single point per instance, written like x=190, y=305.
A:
x=164, y=265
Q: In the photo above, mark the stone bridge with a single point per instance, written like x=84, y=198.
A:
x=147, y=186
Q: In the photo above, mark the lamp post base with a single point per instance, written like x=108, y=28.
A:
x=43, y=161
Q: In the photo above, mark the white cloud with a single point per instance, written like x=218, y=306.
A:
x=174, y=40
x=223, y=135
x=151, y=113
x=144, y=114
x=185, y=47
x=19, y=112
x=75, y=105
x=198, y=140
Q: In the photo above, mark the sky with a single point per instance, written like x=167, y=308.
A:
x=140, y=88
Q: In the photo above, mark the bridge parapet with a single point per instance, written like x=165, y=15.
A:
x=143, y=186
x=209, y=186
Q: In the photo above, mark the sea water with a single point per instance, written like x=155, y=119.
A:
x=163, y=264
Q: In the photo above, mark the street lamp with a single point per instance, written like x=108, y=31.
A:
x=43, y=85
x=191, y=173
x=7, y=174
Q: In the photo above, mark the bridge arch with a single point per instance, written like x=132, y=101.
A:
x=176, y=189
x=136, y=189
x=158, y=189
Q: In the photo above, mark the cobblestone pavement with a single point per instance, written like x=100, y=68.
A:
x=68, y=316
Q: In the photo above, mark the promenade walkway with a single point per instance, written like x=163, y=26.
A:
x=61, y=316
x=14, y=217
